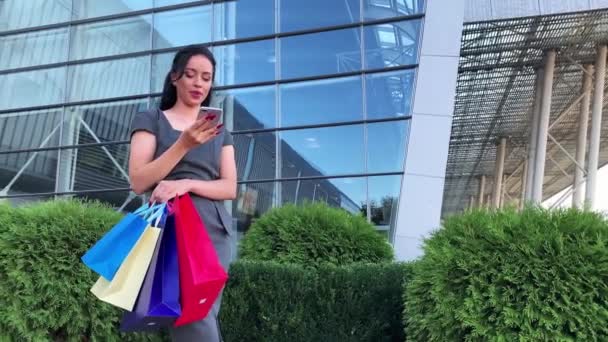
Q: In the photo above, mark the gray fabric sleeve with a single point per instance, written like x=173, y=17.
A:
x=145, y=121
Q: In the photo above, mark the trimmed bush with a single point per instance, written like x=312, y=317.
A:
x=44, y=287
x=271, y=302
x=314, y=234
x=505, y=276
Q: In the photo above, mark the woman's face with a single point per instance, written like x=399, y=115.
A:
x=193, y=87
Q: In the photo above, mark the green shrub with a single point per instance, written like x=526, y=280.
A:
x=312, y=235
x=271, y=302
x=44, y=287
x=506, y=276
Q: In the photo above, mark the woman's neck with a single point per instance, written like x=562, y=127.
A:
x=182, y=109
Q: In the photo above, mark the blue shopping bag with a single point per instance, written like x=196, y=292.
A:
x=158, y=302
x=107, y=254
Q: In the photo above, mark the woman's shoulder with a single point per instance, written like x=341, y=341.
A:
x=146, y=120
x=148, y=113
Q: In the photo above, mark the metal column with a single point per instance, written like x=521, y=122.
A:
x=524, y=185
x=472, y=202
x=596, y=126
x=534, y=135
x=503, y=191
x=581, y=144
x=501, y=152
x=543, y=128
x=67, y=159
x=482, y=191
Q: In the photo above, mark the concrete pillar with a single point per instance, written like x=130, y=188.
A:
x=524, y=180
x=498, y=172
x=581, y=144
x=596, y=126
x=534, y=118
x=472, y=202
x=543, y=128
x=503, y=192
x=482, y=191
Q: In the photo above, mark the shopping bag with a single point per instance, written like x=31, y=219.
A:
x=158, y=302
x=201, y=276
x=109, y=252
x=122, y=291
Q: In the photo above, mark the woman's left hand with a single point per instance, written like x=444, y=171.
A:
x=168, y=189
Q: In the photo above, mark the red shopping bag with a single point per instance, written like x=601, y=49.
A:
x=201, y=276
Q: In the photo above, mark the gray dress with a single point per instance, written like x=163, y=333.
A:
x=202, y=163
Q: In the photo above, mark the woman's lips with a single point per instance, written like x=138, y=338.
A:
x=196, y=94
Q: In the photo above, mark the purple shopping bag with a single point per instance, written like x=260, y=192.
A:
x=158, y=303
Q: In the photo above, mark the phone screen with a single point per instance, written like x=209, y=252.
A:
x=218, y=112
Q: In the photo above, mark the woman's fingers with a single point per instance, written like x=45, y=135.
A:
x=200, y=122
x=205, y=135
x=204, y=121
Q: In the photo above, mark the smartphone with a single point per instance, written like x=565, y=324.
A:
x=217, y=112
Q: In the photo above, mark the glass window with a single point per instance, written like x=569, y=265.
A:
x=386, y=146
x=17, y=14
x=101, y=122
x=122, y=77
x=113, y=37
x=308, y=103
x=34, y=129
x=32, y=88
x=248, y=108
x=243, y=18
x=155, y=102
x=97, y=167
x=346, y=193
x=384, y=202
x=245, y=63
x=322, y=151
x=95, y=8
x=33, y=48
x=321, y=53
x=38, y=171
x=389, y=94
x=116, y=199
x=182, y=27
x=393, y=44
x=381, y=9
x=255, y=155
x=301, y=15
x=254, y=200
x=160, y=3
x=161, y=64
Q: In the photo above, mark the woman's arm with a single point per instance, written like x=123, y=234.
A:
x=223, y=188
x=145, y=171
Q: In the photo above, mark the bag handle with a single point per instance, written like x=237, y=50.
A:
x=157, y=215
x=141, y=209
x=152, y=209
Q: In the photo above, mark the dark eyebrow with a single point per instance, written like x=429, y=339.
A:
x=192, y=69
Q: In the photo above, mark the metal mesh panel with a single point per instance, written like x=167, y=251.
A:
x=495, y=97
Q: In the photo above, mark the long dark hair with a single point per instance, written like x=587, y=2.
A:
x=180, y=61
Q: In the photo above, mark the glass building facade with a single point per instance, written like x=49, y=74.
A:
x=317, y=94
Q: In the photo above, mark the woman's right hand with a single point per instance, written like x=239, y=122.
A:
x=200, y=132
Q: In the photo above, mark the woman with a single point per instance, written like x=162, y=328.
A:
x=176, y=151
